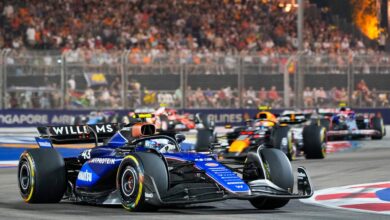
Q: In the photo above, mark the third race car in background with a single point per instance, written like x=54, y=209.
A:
x=344, y=123
x=291, y=133
x=166, y=119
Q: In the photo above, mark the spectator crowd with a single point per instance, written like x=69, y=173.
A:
x=211, y=32
x=153, y=27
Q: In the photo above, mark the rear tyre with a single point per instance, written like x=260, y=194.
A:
x=377, y=124
x=277, y=169
x=314, y=141
x=324, y=122
x=41, y=176
x=283, y=141
x=165, y=123
x=131, y=180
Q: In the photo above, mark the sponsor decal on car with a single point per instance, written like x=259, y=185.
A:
x=211, y=164
x=43, y=143
x=85, y=176
x=77, y=130
x=103, y=161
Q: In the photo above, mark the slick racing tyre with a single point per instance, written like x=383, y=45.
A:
x=41, y=176
x=314, y=141
x=324, y=122
x=134, y=173
x=282, y=140
x=165, y=123
x=377, y=124
x=277, y=169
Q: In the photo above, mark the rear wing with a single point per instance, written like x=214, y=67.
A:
x=68, y=134
x=294, y=118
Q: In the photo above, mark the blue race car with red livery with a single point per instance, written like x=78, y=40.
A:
x=133, y=166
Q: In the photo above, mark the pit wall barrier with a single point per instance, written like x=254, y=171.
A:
x=32, y=118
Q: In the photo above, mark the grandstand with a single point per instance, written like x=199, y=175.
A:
x=182, y=53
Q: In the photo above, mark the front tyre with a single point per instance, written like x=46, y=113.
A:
x=377, y=124
x=314, y=141
x=282, y=140
x=130, y=184
x=41, y=176
x=277, y=169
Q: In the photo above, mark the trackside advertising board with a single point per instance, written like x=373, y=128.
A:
x=33, y=118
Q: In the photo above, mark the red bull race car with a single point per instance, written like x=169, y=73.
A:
x=291, y=132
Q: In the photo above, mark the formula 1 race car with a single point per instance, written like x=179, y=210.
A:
x=289, y=133
x=143, y=171
x=344, y=123
x=97, y=117
x=167, y=119
x=300, y=134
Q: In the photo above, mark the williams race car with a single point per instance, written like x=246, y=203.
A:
x=143, y=171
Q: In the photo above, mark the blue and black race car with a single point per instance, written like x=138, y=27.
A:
x=144, y=171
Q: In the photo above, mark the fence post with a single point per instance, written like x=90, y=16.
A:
x=2, y=64
x=241, y=82
x=350, y=79
x=3, y=79
x=123, y=69
x=286, y=82
x=184, y=74
x=63, y=85
x=298, y=81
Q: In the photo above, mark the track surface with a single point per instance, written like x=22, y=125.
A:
x=369, y=163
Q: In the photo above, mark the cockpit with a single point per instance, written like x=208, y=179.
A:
x=161, y=144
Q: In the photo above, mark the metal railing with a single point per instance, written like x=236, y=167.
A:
x=129, y=79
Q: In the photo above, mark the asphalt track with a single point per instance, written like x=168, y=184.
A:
x=368, y=163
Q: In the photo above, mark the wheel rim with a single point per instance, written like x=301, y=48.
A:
x=24, y=176
x=128, y=182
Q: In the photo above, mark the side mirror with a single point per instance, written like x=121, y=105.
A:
x=180, y=138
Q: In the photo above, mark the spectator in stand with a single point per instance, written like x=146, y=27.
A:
x=383, y=99
x=343, y=95
x=200, y=100
x=105, y=97
x=308, y=97
x=263, y=99
x=72, y=83
x=250, y=98
x=177, y=96
x=221, y=98
x=210, y=98
x=321, y=96
x=273, y=96
x=362, y=86
x=89, y=95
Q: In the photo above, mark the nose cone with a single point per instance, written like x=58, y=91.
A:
x=239, y=146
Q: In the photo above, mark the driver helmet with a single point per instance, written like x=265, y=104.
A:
x=266, y=116
x=264, y=123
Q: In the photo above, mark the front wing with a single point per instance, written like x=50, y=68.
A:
x=363, y=132
x=261, y=188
